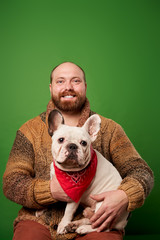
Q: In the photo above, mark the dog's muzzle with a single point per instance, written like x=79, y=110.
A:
x=71, y=160
x=72, y=147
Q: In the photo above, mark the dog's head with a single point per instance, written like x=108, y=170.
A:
x=71, y=145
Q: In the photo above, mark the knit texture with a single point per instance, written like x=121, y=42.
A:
x=27, y=176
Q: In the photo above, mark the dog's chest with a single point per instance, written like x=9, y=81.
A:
x=107, y=178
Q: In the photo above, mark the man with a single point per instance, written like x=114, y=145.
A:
x=27, y=181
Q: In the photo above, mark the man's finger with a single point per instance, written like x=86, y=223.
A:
x=97, y=215
x=105, y=225
x=99, y=220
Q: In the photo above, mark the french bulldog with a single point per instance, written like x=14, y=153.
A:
x=72, y=154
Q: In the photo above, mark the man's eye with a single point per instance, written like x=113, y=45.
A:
x=76, y=80
x=60, y=81
x=61, y=140
x=83, y=143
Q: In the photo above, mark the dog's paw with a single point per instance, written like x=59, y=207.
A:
x=84, y=229
x=71, y=227
x=61, y=229
x=88, y=212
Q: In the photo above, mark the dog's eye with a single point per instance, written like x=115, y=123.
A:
x=83, y=143
x=60, y=140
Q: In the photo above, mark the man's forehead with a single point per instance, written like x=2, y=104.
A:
x=67, y=69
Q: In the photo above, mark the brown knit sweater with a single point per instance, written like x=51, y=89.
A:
x=26, y=180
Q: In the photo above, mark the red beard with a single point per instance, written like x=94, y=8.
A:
x=69, y=106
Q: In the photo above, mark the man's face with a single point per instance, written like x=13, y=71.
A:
x=68, y=88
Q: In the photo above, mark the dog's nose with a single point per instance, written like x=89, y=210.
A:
x=72, y=146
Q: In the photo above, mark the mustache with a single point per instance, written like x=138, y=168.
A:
x=68, y=92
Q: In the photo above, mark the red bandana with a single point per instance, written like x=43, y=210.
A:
x=75, y=183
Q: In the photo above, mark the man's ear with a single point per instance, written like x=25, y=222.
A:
x=55, y=119
x=92, y=126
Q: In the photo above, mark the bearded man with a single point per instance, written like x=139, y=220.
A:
x=27, y=181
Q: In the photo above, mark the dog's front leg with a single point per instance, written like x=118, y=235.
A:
x=67, y=218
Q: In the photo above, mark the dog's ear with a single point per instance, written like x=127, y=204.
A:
x=92, y=126
x=55, y=119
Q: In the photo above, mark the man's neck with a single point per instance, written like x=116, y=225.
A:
x=71, y=118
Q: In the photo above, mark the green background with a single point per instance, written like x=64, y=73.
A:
x=117, y=44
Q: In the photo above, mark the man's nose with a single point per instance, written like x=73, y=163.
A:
x=68, y=85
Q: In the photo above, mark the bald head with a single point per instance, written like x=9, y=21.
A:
x=66, y=68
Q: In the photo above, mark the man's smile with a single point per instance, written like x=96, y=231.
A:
x=69, y=96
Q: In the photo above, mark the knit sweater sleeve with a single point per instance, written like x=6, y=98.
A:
x=19, y=182
x=136, y=174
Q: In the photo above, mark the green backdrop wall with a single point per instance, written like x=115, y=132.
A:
x=117, y=44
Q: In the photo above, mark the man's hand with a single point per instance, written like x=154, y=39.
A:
x=57, y=191
x=113, y=206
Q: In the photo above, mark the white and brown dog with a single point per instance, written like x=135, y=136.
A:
x=80, y=170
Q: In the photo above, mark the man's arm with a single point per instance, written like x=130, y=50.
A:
x=57, y=191
x=137, y=176
x=136, y=184
x=19, y=182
